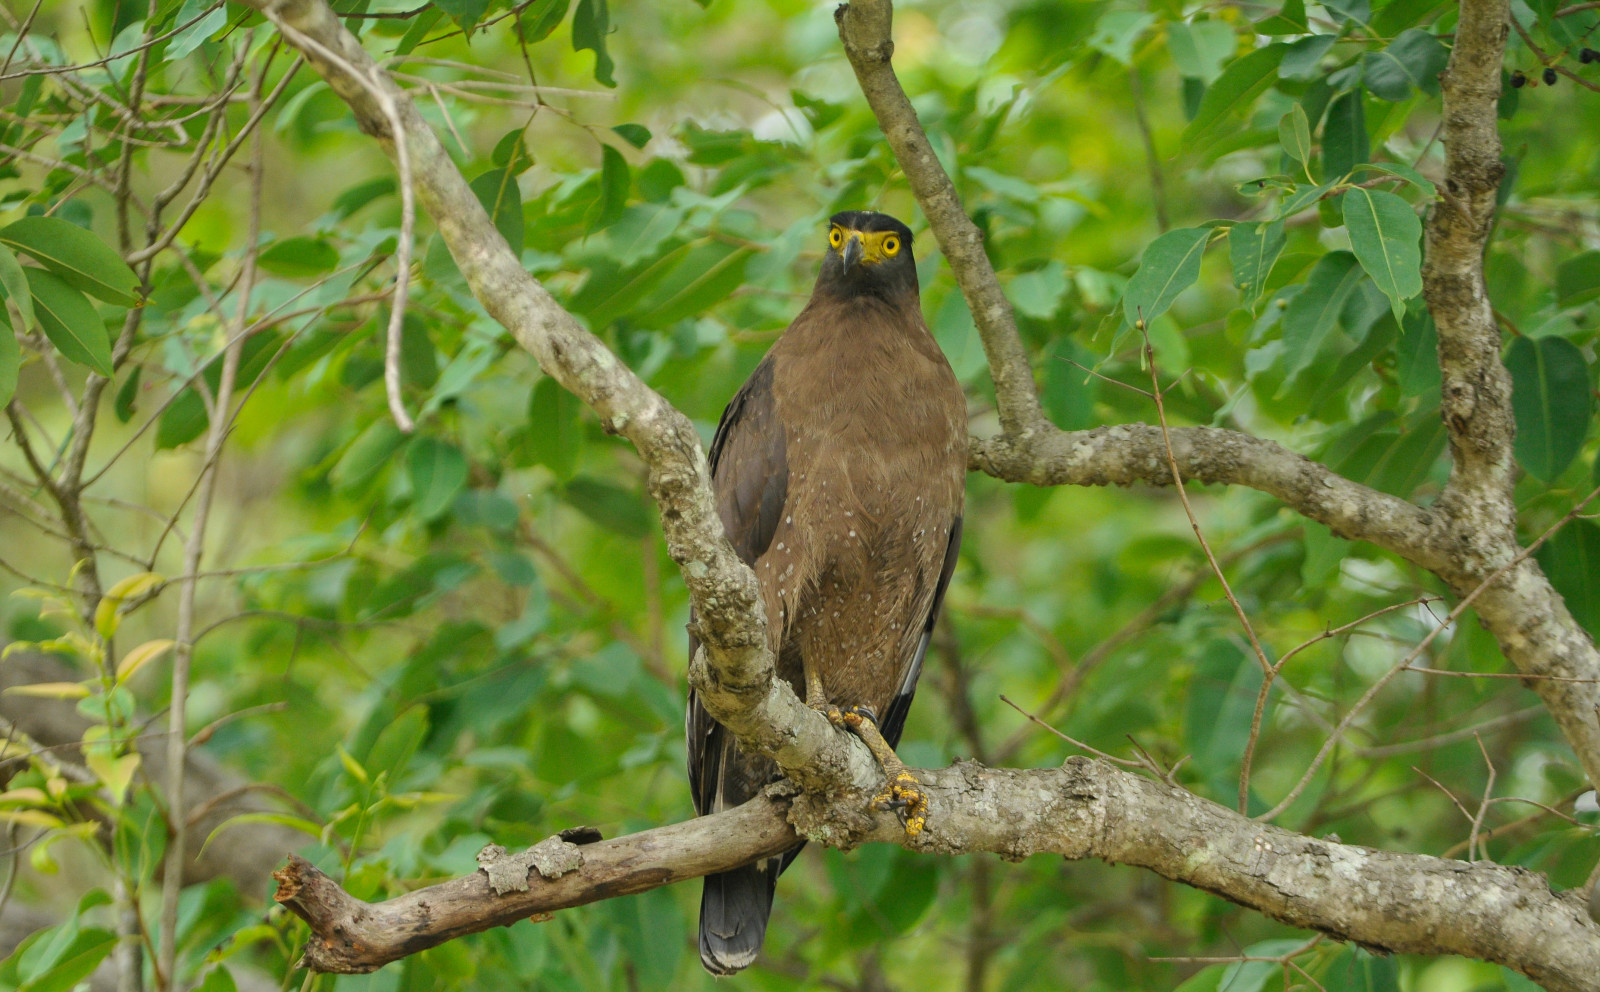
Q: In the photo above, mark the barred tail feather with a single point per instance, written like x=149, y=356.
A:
x=734, y=907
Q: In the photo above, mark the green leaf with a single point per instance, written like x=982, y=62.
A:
x=10, y=360
x=299, y=258
x=1578, y=278
x=75, y=255
x=1412, y=60
x=219, y=979
x=127, y=399
x=1357, y=970
x=501, y=197
x=511, y=152
x=555, y=433
x=1068, y=392
x=198, y=33
x=636, y=135
x=1396, y=15
x=1403, y=171
x=1037, y=294
x=1344, y=136
x=1170, y=265
x=1323, y=553
x=1572, y=560
x=466, y=13
x=1552, y=402
x=614, y=184
x=419, y=359
x=1117, y=31
x=1290, y=19
x=1233, y=92
x=438, y=470
x=1302, y=198
x=1417, y=354
x=1312, y=314
x=609, y=505
x=590, y=25
x=647, y=927
x=185, y=417
x=707, y=275
x=361, y=194
x=65, y=964
x=420, y=26
x=1294, y=133
x=70, y=321
x=1359, y=11
x=1387, y=238
x=14, y=286
x=1199, y=49
x=397, y=742
x=1303, y=60
x=367, y=454
x=1252, y=251
x=540, y=20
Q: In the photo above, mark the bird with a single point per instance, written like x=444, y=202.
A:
x=839, y=474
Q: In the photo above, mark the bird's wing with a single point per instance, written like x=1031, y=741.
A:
x=750, y=474
x=749, y=466
x=894, y=717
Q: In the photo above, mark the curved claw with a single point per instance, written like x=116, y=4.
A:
x=904, y=794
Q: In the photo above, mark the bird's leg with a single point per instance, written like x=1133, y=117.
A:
x=817, y=697
x=902, y=792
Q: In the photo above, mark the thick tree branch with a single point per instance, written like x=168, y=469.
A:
x=350, y=936
x=1127, y=453
x=1086, y=809
x=1476, y=511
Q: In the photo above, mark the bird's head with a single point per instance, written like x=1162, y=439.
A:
x=868, y=253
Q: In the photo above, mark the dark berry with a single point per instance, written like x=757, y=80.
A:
x=1549, y=77
x=1588, y=55
x=1518, y=80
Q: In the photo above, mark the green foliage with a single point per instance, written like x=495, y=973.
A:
x=473, y=634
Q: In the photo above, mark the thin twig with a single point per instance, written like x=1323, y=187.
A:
x=1416, y=652
x=1268, y=672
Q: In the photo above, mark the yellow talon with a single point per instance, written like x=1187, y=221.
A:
x=905, y=793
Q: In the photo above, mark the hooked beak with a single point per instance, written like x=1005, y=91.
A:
x=852, y=252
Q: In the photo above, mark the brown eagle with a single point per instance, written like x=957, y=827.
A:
x=839, y=470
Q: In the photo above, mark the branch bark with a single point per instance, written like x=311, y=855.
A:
x=1476, y=512
x=1086, y=809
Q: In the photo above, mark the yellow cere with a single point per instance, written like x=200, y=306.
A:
x=875, y=245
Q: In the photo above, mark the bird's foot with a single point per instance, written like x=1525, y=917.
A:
x=903, y=794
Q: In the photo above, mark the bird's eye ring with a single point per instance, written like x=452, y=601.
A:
x=891, y=245
x=836, y=237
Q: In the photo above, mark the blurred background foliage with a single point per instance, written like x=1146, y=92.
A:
x=474, y=633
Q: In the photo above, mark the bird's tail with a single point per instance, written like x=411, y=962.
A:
x=734, y=907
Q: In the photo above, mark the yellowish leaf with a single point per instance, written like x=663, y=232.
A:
x=27, y=796
x=106, y=617
x=51, y=690
x=141, y=656
x=115, y=773
x=351, y=765
x=31, y=818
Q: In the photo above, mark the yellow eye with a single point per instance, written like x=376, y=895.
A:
x=891, y=245
x=836, y=237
